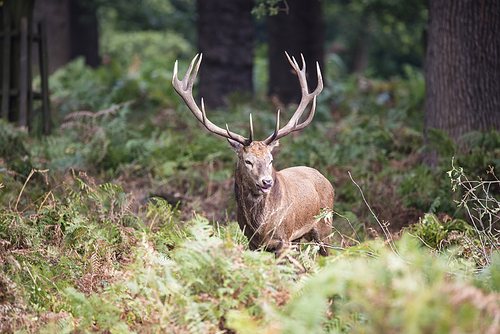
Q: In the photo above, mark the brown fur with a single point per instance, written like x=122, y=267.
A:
x=275, y=220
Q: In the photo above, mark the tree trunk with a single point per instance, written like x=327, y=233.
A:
x=18, y=61
x=71, y=31
x=360, y=48
x=300, y=29
x=84, y=34
x=226, y=39
x=55, y=14
x=462, y=71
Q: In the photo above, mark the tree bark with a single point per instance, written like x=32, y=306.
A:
x=462, y=71
x=300, y=29
x=55, y=14
x=71, y=31
x=84, y=32
x=17, y=80
x=226, y=39
x=360, y=48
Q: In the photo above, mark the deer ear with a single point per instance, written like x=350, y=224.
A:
x=274, y=144
x=234, y=145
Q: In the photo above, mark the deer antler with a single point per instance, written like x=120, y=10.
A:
x=185, y=89
x=293, y=125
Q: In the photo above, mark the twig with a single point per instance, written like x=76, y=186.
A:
x=349, y=222
x=388, y=235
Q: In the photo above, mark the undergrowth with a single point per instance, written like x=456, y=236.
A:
x=122, y=220
x=86, y=261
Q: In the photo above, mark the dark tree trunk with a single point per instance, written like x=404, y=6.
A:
x=301, y=29
x=360, y=48
x=462, y=72
x=72, y=30
x=84, y=34
x=226, y=39
x=17, y=80
x=55, y=15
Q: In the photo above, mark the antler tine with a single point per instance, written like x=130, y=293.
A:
x=185, y=89
x=309, y=118
x=307, y=97
x=250, y=139
x=203, y=112
x=276, y=130
x=193, y=77
x=319, y=88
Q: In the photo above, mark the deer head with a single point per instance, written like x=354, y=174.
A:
x=255, y=165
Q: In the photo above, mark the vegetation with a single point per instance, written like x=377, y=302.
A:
x=122, y=220
x=86, y=260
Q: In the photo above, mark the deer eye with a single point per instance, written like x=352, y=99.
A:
x=248, y=162
x=271, y=162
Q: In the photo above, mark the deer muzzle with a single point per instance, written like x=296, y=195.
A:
x=265, y=186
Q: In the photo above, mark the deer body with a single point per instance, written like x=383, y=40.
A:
x=275, y=208
x=285, y=214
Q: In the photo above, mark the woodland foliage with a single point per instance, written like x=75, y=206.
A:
x=122, y=220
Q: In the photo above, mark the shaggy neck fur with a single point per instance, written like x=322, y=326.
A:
x=254, y=207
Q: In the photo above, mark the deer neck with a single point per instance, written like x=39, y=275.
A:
x=255, y=208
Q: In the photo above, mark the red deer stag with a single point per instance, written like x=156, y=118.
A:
x=275, y=208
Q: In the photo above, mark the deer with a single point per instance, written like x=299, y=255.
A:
x=275, y=209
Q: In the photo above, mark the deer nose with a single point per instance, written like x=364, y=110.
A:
x=267, y=183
